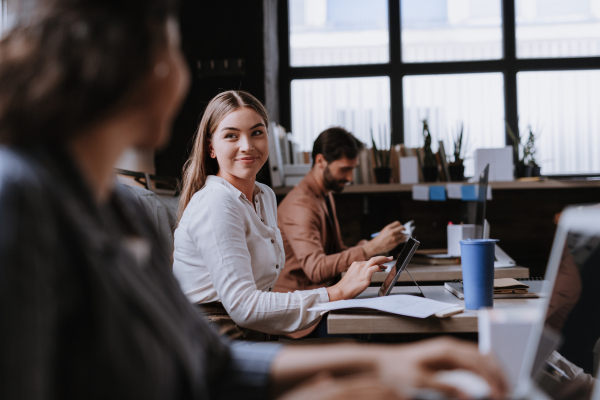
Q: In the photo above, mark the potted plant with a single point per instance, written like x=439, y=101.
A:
x=524, y=154
x=430, y=165
x=457, y=166
x=529, y=151
x=383, y=171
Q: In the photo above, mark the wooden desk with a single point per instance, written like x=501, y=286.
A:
x=431, y=273
x=369, y=321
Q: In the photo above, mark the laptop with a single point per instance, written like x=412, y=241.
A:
x=570, y=303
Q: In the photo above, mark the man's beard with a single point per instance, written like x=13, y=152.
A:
x=330, y=183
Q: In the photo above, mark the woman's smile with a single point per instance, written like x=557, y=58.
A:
x=247, y=160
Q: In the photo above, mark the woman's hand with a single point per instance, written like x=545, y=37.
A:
x=356, y=279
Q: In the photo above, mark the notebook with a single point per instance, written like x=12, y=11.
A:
x=511, y=291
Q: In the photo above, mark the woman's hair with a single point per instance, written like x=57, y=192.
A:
x=70, y=63
x=200, y=164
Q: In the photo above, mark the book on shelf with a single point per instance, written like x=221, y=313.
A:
x=444, y=161
x=434, y=257
x=395, y=163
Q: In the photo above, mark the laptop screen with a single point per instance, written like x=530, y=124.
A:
x=569, y=346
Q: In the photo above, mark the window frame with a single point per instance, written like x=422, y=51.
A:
x=396, y=70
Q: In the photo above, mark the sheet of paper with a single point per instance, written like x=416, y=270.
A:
x=409, y=172
x=454, y=190
x=420, y=192
x=469, y=192
x=410, y=306
x=500, y=160
x=437, y=193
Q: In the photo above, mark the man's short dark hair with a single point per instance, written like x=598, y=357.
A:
x=336, y=142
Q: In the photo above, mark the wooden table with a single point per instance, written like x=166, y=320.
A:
x=370, y=321
x=432, y=273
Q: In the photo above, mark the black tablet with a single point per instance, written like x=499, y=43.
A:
x=401, y=262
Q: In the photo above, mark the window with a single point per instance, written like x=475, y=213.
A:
x=447, y=101
x=442, y=30
x=558, y=28
x=561, y=109
x=483, y=63
x=338, y=32
x=358, y=104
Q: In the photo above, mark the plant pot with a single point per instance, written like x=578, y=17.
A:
x=430, y=173
x=522, y=171
x=536, y=170
x=457, y=172
x=383, y=174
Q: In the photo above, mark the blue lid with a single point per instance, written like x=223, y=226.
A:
x=479, y=241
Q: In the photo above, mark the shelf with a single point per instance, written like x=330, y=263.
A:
x=511, y=185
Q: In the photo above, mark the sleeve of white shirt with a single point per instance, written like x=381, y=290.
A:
x=217, y=231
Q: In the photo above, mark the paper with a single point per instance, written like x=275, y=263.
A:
x=500, y=160
x=409, y=172
x=420, y=192
x=454, y=190
x=437, y=193
x=408, y=228
x=469, y=192
x=410, y=306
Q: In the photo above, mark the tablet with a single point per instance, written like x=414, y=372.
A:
x=401, y=262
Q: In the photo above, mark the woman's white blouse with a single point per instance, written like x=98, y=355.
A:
x=226, y=251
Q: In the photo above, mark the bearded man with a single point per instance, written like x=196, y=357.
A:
x=315, y=254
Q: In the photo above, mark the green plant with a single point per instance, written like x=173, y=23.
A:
x=459, y=146
x=382, y=156
x=429, y=159
x=527, y=150
x=516, y=143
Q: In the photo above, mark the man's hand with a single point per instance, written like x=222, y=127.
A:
x=356, y=279
x=389, y=237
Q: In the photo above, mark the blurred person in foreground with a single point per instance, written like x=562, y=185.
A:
x=89, y=307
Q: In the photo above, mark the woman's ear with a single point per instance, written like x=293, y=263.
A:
x=211, y=150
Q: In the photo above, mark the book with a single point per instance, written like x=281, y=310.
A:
x=435, y=260
x=534, y=285
x=434, y=257
x=444, y=161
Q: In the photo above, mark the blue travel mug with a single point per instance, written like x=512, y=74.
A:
x=477, y=257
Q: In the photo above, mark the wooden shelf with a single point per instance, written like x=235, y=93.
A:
x=511, y=185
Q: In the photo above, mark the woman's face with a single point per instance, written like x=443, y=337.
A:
x=240, y=144
x=168, y=83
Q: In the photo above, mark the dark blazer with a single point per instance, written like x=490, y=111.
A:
x=89, y=307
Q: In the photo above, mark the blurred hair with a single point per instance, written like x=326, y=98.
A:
x=336, y=142
x=68, y=64
x=200, y=164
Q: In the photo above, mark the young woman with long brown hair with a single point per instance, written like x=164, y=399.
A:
x=228, y=249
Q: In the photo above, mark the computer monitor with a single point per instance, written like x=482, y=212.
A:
x=570, y=305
